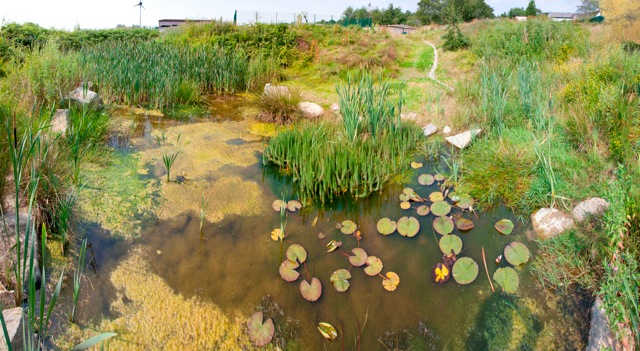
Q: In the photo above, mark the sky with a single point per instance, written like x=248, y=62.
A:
x=92, y=14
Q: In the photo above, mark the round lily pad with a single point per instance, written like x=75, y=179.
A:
x=359, y=257
x=516, y=253
x=465, y=270
x=443, y=225
x=416, y=165
x=408, y=226
x=426, y=179
x=423, y=210
x=440, y=208
x=297, y=253
x=340, y=280
x=405, y=205
x=392, y=281
x=260, y=333
x=294, y=205
x=278, y=205
x=374, y=266
x=386, y=226
x=404, y=197
x=504, y=226
x=465, y=201
x=452, y=194
x=436, y=196
x=508, y=279
x=327, y=330
x=348, y=227
x=450, y=243
x=438, y=177
x=311, y=292
x=464, y=224
x=287, y=271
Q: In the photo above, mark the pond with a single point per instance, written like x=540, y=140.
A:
x=230, y=260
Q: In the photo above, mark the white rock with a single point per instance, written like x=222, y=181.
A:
x=429, y=129
x=335, y=108
x=594, y=206
x=463, y=139
x=13, y=318
x=83, y=97
x=409, y=116
x=550, y=222
x=310, y=109
x=446, y=130
x=60, y=121
x=275, y=89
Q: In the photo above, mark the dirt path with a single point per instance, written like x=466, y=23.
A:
x=432, y=72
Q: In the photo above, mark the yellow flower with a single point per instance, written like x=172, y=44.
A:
x=277, y=234
x=441, y=273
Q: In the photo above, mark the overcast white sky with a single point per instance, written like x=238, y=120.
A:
x=65, y=14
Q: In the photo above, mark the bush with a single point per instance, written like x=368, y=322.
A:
x=279, y=105
x=454, y=40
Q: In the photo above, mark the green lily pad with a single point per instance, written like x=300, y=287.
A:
x=465, y=270
x=404, y=197
x=297, y=253
x=450, y=243
x=423, y=210
x=508, y=279
x=440, y=208
x=278, y=205
x=438, y=177
x=465, y=201
x=443, y=225
x=327, y=330
x=333, y=245
x=426, y=179
x=287, y=271
x=294, y=205
x=340, y=280
x=408, y=226
x=413, y=196
x=436, y=196
x=516, y=253
x=260, y=333
x=359, y=257
x=386, y=226
x=311, y=292
x=348, y=227
x=374, y=266
x=464, y=224
x=504, y=226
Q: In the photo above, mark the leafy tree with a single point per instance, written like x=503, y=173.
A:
x=431, y=11
x=454, y=39
x=469, y=10
x=587, y=6
x=516, y=11
x=532, y=10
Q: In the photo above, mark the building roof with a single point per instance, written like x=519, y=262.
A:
x=403, y=26
x=560, y=15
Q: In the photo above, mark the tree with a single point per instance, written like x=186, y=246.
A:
x=454, y=39
x=587, y=6
x=532, y=10
x=469, y=10
x=430, y=11
x=516, y=11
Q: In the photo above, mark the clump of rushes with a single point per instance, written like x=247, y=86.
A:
x=168, y=160
x=279, y=105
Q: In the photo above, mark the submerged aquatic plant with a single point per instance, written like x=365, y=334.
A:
x=168, y=160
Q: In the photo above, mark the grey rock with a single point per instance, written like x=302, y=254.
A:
x=411, y=116
x=463, y=139
x=7, y=298
x=275, y=89
x=8, y=241
x=310, y=109
x=335, y=108
x=60, y=121
x=14, y=318
x=594, y=206
x=600, y=335
x=429, y=129
x=550, y=222
x=83, y=97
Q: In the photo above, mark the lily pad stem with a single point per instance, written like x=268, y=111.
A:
x=487, y=270
x=306, y=270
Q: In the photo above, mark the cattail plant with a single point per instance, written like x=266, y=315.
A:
x=168, y=160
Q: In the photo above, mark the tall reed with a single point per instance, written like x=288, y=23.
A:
x=77, y=276
x=168, y=160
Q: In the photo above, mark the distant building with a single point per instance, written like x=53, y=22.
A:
x=165, y=24
x=521, y=18
x=398, y=28
x=562, y=16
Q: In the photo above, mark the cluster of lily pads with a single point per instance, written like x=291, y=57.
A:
x=516, y=254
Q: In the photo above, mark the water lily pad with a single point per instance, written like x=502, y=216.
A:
x=413, y=196
x=465, y=201
x=297, y=253
x=260, y=333
x=426, y=179
x=516, y=253
x=464, y=224
x=416, y=165
x=405, y=205
x=443, y=225
x=386, y=226
x=340, y=280
x=327, y=330
x=277, y=234
x=374, y=266
x=423, y=210
x=294, y=205
x=452, y=194
x=436, y=196
x=404, y=197
x=465, y=270
x=348, y=227
x=508, y=279
x=408, y=226
x=441, y=273
x=392, y=281
x=504, y=226
x=278, y=205
x=440, y=208
x=359, y=257
x=450, y=242
x=311, y=292
x=287, y=271
x=438, y=177
x=333, y=245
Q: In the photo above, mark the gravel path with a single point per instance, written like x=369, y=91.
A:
x=432, y=72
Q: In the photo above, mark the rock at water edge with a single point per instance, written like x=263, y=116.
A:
x=14, y=318
x=83, y=97
x=463, y=139
x=429, y=129
x=550, y=222
x=594, y=206
x=310, y=109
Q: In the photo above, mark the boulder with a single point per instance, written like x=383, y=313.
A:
x=14, y=318
x=335, y=108
x=594, y=206
x=446, y=130
x=429, y=129
x=600, y=335
x=83, y=97
x=463, y=139
x=7, y=253
x=310, y=109
x=275, y=89
x=60, y=121
x=550, y=222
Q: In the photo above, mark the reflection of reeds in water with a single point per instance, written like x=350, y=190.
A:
x=168, y=160
x=77, y=276
x=203, y=211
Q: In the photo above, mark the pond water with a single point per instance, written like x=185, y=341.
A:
x=233, y=263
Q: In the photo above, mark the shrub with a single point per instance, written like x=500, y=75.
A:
x=279, y=105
